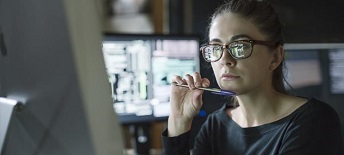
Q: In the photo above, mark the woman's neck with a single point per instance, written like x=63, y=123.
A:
x=258, y=109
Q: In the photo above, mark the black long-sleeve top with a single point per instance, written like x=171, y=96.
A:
x=312, y=129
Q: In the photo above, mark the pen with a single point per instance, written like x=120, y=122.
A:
x=212, y=90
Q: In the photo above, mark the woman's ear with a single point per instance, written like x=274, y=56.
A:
x=277, y=58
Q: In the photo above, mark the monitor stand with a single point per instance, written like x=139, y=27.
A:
x=140, y=138
x=7, y=107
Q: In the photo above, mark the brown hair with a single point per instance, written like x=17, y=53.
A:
x=262, y=14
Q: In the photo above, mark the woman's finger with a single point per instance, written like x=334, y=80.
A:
x=190, y=81
x=197, y=79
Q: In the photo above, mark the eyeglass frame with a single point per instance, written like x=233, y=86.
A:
x=226, y=46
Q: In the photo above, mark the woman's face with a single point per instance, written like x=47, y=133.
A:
x=244, y=75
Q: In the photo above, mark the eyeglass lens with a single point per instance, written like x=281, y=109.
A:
x=238, y=50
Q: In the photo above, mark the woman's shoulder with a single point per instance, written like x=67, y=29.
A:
x=314, y=125
x=315, y=105
x=317, y=110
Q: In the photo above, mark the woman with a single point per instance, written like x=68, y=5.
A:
x=245, y=50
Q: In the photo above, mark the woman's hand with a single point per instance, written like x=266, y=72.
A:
x=185, y=102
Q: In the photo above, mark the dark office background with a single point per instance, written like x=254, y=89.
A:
x=303, y=21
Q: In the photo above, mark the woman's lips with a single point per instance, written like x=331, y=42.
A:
x=229, y=77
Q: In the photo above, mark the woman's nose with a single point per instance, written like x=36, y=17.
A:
x=227, y=58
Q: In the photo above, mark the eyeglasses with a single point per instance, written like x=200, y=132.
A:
x=240, y=49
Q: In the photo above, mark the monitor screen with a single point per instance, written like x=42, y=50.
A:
x=140, y=68
x=302, y=68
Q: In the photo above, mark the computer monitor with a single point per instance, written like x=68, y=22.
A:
x=315, y=69
x=51, y=62
x=140, y=68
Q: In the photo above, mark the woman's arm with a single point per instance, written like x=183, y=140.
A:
x=178, y=145
x=185, y=103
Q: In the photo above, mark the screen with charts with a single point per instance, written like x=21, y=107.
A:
x=140, y=68
x=315, y=69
